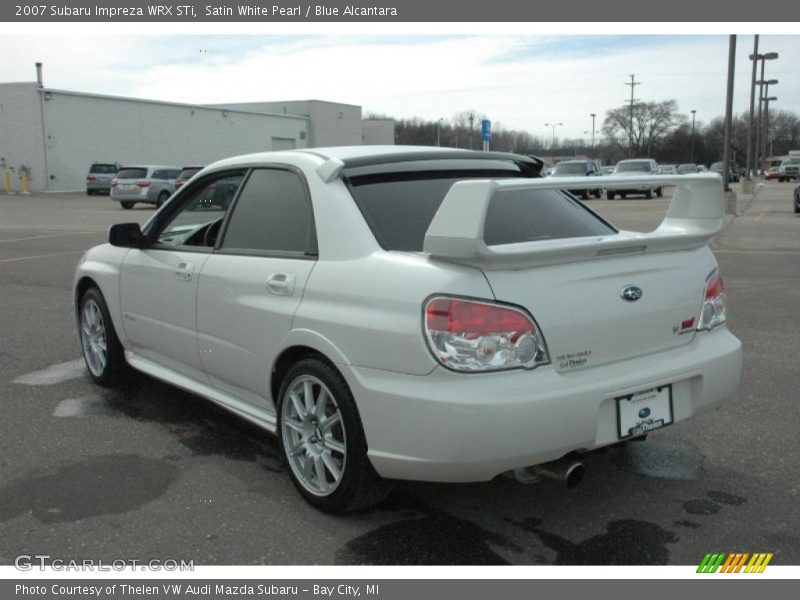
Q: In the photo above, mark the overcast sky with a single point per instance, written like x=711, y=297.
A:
x=518, y=81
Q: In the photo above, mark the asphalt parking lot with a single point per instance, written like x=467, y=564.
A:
x=151, y=472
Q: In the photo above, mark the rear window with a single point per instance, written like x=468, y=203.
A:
x=103, y=169
x=570, y=169
x=399, y=208
x=132, y=173
x=634, y=166
x=188, y=173
x=536, y=215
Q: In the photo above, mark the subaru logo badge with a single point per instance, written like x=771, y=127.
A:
x=631, y=293
x=644, y=413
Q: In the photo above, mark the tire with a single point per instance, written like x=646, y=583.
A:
x=623, y=195
x=90, y=192
x=162, y=197
x=648, y=194
x=106, y=367
x=660, y=192
x=127, y=205
x=598, y=194
x=585, y=195
x=610, y=195
x=308, y=447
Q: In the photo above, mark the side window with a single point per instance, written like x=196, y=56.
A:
x=199, y=218
x=272, y=214
x=157, y=174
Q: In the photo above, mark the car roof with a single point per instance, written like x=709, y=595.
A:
x=149, y=167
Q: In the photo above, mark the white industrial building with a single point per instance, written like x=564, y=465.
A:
x=56, y=135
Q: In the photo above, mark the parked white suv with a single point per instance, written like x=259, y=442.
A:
x=415, y=313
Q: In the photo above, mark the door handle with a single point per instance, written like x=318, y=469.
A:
x=281, y=284
x=184, y=271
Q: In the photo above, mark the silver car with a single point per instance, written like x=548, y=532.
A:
x=151, y=184
x=98, y=179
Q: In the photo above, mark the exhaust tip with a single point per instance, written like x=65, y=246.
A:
x=574, y=474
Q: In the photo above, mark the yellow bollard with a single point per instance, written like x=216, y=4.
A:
x=23, y=182
x=7, y=177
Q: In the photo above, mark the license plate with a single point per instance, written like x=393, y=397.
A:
x=644, y=411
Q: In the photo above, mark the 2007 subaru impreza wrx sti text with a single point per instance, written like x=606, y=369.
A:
x=415, y=313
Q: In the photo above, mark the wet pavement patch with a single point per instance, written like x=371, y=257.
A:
x=425, y=536
x=98, y=485
x=675, y=461
x=701, y=507
x=726, y=498
x=201, y=427
x=626, y=542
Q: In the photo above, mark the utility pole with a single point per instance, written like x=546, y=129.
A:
x=728, y=112
x=749, y=174
x=471, y=121
x=694, y=112
x=633, y=84
x=593, y=115
x=439, y=132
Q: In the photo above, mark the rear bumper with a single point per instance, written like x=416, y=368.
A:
x=456, y=427
x=131, y=196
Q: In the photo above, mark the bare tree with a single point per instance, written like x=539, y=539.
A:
x=651, y=122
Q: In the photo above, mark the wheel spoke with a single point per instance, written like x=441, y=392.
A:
x=298, y=405
x=294, y=426
x=101, y=344
x=330, y=421
x=298, y=449
x=319, y=473
x=335, y=445
x=322, y=400
x=308, y=397
x=86, y=329
x=331, y=465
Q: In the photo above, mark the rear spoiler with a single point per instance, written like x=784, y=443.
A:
x=696, y=213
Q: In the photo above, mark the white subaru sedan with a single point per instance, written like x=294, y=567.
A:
x=415, y=313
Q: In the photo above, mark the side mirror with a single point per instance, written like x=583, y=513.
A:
x=126, y=235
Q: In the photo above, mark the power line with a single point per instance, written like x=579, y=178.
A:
x=633, y=85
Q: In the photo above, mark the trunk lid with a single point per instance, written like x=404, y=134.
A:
x=586, y=321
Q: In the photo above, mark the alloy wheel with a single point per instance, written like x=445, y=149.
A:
x=93, y=338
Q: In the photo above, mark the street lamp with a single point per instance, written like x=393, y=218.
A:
x=763, y=58
x=553, y=126
x=439, y=132
x=763, y=123
x=593, y=115
x=694, y=112
x=767, y=100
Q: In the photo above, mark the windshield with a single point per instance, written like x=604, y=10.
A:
x=687, y=169
x=570, y=169
x=792, y=161
x=637, y=166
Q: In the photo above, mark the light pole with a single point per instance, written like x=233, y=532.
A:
x=694, y=112
x=439, y=132
x=593, y=115
x=763, y=58
x=471, y=121
x=553, y=139
x=726, y=148
x=749, y=168
x=764, y=84
x=767, y=100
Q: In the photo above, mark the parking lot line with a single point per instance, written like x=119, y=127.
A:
x=44, y=237
x=35, y=256
x=763, y=212
x=778, y=252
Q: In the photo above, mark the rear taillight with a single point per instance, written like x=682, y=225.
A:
x=471, y=336
x=91, y=178
x=143, y=184
x=715, y=302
